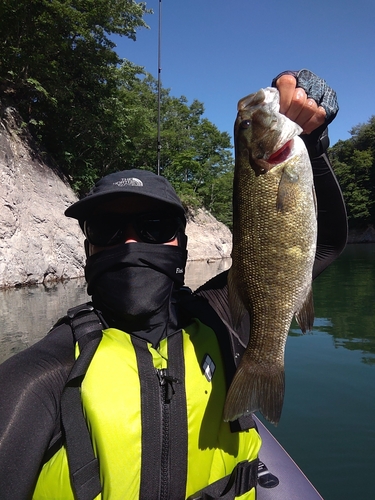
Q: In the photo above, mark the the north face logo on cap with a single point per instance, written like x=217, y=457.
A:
x=128, y=181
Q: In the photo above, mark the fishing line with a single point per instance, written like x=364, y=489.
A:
x=159, y=88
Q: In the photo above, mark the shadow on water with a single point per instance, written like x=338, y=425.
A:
x=28, y=313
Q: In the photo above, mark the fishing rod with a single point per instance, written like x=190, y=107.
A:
x=159, y=88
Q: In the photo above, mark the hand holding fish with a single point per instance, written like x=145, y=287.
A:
x=306, y=99
x=299, y=108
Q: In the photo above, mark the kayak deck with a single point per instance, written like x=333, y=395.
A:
x=293, y=484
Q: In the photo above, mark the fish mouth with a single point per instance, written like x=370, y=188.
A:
x=281, y=154
x=263, y=165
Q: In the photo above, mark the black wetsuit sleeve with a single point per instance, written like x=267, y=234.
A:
x=31, y=383
x=332, y=218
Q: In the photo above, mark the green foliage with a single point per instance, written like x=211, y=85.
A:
x=354, y=163
x=218, y=198
x=196, y=156
x=59, y=67
x=350, y=282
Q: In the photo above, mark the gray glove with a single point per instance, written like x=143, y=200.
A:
x=316, y=88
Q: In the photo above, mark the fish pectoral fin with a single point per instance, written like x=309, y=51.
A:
x=305, y=315
x=256, y=387
x=286, y=193
x=236, y=307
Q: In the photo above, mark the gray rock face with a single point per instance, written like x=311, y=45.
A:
x=37, y=242
x=208, y=239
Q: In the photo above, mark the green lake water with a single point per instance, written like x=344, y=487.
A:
x=328, y=419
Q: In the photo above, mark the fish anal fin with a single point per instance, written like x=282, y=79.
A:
x=305, y=315
x=236, y=306
x=256, y=387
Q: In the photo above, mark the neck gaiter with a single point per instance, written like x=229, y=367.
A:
x=134, y=285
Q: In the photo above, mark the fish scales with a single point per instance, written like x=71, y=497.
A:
x=274, y=243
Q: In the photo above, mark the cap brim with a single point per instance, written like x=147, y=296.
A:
x=82, y=209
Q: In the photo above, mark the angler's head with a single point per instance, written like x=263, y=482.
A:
x=128, y=207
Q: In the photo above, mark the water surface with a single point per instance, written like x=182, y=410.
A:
x=328, y=420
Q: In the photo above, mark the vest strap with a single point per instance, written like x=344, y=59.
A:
x=244, y=477
x=83, y=465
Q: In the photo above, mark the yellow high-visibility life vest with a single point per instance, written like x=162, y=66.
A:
x=115, y=398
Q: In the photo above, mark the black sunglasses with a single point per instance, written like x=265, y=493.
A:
x=110, y=229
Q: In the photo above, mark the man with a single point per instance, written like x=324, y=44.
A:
x=148, y=361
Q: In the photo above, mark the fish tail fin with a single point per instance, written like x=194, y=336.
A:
x=236, y=307
x=256, y=387
x=305, y=315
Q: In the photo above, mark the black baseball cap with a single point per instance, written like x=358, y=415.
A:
x=121, y=184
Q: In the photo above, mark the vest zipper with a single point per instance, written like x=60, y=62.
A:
x=167, y=391
x=164, y=422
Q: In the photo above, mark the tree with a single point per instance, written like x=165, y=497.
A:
x=59, y=67
x=354, y=163
x=195, y=156
x=194, y=153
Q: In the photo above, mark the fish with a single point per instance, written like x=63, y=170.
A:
x=273, y=252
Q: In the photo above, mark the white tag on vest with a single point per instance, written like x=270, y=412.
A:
x=208, y=367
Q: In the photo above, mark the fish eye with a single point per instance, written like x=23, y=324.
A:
x=245, y=124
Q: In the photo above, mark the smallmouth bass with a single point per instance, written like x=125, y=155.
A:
x=274, y=244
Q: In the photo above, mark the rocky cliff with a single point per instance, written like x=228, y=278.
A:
x=208, y=239
x=37, y=243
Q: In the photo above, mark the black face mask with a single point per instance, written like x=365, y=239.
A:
x=134, y=285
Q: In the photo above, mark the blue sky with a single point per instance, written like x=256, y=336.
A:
x=218, y=51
